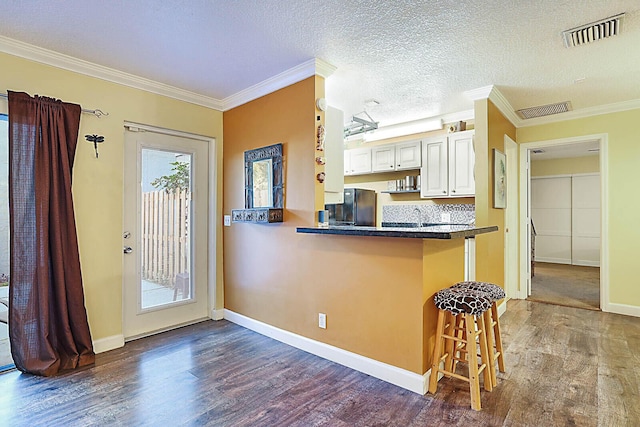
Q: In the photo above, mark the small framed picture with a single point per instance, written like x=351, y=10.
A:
x=499, y=179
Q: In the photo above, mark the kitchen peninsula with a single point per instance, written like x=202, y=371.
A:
x=435, y=231
x=397, y=271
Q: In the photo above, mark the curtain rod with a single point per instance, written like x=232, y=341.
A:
x=98, y=113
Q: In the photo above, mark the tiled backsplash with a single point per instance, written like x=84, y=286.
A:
x=408, y=214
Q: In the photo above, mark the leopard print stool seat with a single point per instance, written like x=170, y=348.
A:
x=494, y=292
x=459, y=330
x=494, y=336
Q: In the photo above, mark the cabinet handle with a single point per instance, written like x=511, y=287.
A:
x=453, y=191
x=444, y=192
x=391, y=166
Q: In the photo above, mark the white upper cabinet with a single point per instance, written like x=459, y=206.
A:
x=461, y=164
x=334, y=157
x=383, y=158
x=359, y=161
x=434, y=173
x=448, y=166
x=408, y=155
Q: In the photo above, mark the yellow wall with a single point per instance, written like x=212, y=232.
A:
x=622, y=191
x=370, y=288
x=98, y=183
x=491, y=126
x=572, y=165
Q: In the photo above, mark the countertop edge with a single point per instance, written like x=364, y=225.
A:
x=400, y=233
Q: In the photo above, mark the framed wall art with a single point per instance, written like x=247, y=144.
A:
x=499, y=179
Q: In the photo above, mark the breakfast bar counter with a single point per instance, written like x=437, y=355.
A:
x=434, y=231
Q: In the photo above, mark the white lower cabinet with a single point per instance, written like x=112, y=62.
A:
x=448, y=166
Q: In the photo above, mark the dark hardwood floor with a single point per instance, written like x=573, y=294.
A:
x=565, y=366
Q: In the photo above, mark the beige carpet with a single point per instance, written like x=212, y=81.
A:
x=568, y=285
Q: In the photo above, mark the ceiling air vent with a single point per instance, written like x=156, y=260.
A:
x=544, y=110
x=594, y=31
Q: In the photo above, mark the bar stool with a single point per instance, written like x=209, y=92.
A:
x=494, y=336
x=459, y=330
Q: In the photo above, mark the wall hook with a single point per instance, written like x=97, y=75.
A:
x=96, y=139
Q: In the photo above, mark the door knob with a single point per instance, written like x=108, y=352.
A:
x=128, y=249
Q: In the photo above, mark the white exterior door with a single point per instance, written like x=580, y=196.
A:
x=165, y=236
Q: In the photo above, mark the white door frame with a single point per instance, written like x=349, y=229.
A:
x=212, y=206
x=511, y=234
x=525, y=213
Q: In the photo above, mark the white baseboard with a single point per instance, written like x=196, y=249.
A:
x=553, y=260
x=627, y=310
x=502, y=307
x=401, y=377
x=586, y=263
x=108, y=343
x=217, y=314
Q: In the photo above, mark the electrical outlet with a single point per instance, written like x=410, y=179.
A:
x=227, y=220
x=322, y=320
x=445, y=217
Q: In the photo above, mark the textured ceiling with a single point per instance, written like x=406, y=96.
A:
x=416, y=57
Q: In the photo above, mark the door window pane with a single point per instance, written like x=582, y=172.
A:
x=165, y=224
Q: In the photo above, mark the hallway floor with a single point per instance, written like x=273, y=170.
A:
x=568, y=285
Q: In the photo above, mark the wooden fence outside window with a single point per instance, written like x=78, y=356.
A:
x=165, y=235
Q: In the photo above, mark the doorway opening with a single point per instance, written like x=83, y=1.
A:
x=6, y=362
x=563, y=231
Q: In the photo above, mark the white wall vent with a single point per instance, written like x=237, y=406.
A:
x=594, y=31
x=544, y=110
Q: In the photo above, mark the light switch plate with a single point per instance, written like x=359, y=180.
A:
x=445, y=217
x=227, y=220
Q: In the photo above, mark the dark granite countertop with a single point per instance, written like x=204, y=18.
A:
x=439, y=231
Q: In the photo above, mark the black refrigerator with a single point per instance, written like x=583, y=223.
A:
x=359, y=208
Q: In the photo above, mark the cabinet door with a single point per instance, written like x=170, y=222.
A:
x=383, y=158
x=360, y=161
x=334, y=156
x=408, y=155
x=433, y=173
x=347, y=162
x=461, y=163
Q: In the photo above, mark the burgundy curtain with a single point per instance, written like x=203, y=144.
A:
x=48, y=327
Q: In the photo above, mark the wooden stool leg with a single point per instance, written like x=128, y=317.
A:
x=497, y=336
x=474, y=382
x=488, y=324
x=450, y=345
x=484, y=352
x=437, y=353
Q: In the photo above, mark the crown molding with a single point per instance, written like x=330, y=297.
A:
x=55, y=59
x=286, y=78
x=479, y=93
x=66, y=62
x=495, y=96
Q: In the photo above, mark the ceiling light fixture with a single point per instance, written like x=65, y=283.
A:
x=406, y=128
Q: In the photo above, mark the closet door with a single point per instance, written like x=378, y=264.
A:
x=551, y=214
x=585, y=239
